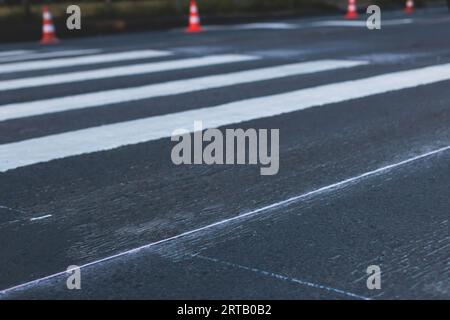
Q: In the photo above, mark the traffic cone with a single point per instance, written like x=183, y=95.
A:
x=409, y=6
x=48, y=29
x=352, y=11
x=194, y=18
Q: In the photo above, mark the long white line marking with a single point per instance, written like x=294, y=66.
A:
x=249, y=214
x=84, y=60
x=89, y=100
x=128, y=70
x=13, y=53
x=283, y=277
x=53, y=54
x=107, y=137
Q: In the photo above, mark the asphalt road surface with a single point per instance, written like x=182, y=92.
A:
x=86, y=176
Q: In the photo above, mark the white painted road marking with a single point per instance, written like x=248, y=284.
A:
x=342, y=23
x=237, y=218
x=129, y=70
x=13, y=53
x=107, y=137
x=83, y=60
x=41, y=217
x=265, y=25
x=53, y=54
x=89, y=100
x=303, y=25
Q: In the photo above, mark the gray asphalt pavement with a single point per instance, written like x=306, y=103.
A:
x=364, y=175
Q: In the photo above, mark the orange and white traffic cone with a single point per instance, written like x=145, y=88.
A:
x=409, y=6
x=48, y=28
x=194, y=18
x=352, y=11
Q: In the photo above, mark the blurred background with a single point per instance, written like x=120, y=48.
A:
x=21, y=20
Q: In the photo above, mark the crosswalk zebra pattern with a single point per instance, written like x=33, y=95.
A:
x=106, y=137
x=46, y=88
x=88, y=177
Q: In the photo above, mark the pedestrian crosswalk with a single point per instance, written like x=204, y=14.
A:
x=107, y=137
x=111, y=97
x=122, y=71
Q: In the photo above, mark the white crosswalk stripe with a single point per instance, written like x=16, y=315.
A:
x=107, y=137
x=45, y=55
x=13, y=53
x=84, y=60
x=305, y=25
x=40, y=107
x=360, y=24
x=129, y=70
